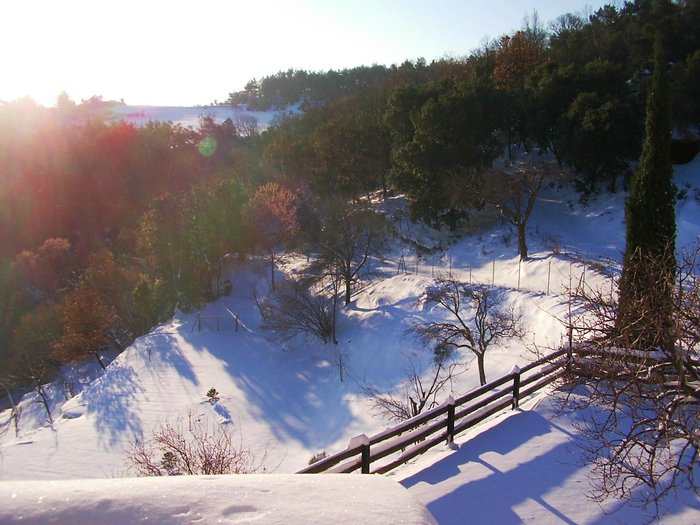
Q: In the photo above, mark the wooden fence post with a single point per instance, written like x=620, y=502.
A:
x=365, y=458
x=450, y=420
x=362, y=441
x=516, y=386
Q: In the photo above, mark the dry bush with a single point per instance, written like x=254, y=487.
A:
x=190, y=447
x=419, y=391
x=293, y=309
x=641, y=428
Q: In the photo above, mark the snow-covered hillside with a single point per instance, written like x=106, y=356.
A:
x=286, y=399
x=190, y=116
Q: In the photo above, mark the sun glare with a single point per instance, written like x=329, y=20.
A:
x=176, y=53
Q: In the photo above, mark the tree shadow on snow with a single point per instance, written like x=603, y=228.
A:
x=163, y=350
x=112, y=400
x=490, y=494
x=296, y=393
x=111, y=403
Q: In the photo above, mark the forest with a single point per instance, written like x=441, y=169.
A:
x=106, y=227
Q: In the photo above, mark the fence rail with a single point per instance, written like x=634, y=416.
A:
x=216, y=324
x=401, y=443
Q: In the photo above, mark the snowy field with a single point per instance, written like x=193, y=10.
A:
x=190, y=116
x=272, y=500
x=286, y=400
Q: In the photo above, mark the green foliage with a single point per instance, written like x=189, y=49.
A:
x=351, y=147
x=588, y=117
x=32, y=361
x=686, y=91
x=443, y=135
x=213, y=395
x=600, y=139
x=311, y=88
x=142, y=218
x=646, y=290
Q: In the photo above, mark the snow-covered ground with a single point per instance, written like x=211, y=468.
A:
x=525, y=466
x=190, y=116
x=272, y=500
x=286, y=400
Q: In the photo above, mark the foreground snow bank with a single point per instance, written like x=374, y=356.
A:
x=526, y=466
x=268, y=498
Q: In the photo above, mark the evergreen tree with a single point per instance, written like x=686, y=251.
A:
x=646, y=290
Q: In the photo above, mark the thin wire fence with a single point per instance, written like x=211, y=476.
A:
x=563, y=274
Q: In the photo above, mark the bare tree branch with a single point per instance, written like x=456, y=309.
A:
x=189, y=447
x=641, y=429
x=477, y=320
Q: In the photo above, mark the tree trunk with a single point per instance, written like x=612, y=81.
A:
x=522, y=244
x=347, y=292
x=480, y=366
x=336, y=289
x=96, y=353
x=272, y=270
x=44, y=400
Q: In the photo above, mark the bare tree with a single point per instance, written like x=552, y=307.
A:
x=247, y=125
x=641, y=425
x=294, y=309
x=271, y=221
x=15, y=410
x=351, y=235
x=190, y=447
x=419, y=391
x=477, y=320
x=514, y=191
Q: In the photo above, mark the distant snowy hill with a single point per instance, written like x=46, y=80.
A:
x=190, y=116
x=287, y=396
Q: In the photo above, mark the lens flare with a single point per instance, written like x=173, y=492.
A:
x=207, y=146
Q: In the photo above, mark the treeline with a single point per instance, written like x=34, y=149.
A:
x=106, y=227
x=314, y=88
x=574, y=89
x=617, y=36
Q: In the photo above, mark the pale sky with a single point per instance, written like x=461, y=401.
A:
x=194, y=52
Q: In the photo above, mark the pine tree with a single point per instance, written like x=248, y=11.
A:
x=646, y=288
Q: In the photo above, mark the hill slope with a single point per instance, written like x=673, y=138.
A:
x=288, y=395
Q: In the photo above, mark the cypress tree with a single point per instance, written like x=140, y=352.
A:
x=648, y=276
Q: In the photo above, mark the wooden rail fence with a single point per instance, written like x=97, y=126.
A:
x=399, y=444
